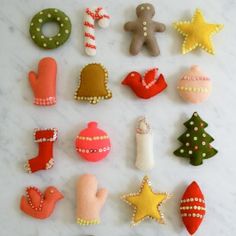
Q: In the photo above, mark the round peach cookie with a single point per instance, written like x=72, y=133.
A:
x=194, y=86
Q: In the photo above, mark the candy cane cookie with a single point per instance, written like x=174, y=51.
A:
x=91, y=15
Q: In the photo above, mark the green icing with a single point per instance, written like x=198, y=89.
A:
x=50, y=15
x=195, y=141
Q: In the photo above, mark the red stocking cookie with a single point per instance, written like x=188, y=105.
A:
x=192, y=207
x=90, y=200
x=145, y=86
x=92, y=143
x=40, y=205
x=44, y=160
x=44, y=82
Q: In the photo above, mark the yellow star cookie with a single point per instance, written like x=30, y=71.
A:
x=197, y=33
x=146, y=203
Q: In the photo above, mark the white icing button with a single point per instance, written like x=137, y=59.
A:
x=144, y=22
x=145, y=34
x=144, y=28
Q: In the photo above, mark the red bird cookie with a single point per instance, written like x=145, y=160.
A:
x=192, y=207
x=146, y=86
x=40, y=205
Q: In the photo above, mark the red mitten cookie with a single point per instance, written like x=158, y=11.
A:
x=40, y=205
x=92, y=143
x=44, y=82
x=192, y=207
x=44, y=160
x=146, y=86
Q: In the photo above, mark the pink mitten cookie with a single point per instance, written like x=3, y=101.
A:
x=43, y=83
x=39, y=205
x=92, y=143
x=90, y=200
x=194, y=86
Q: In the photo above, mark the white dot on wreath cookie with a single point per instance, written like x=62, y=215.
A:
x=191, y=123
x=195, y=138
x=190, y=152
x=203, y=154
x=187, y=144
x=187, y=135
x=196, y=128
x=203, y=143
x=182, y=150
x=204, y=135
x=67, y=31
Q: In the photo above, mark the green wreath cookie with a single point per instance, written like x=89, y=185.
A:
x=45, y=16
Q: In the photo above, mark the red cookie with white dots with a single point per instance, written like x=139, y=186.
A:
x=92, y=143
x=192, y=207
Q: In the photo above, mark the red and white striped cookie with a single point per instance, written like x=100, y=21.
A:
x=91, y=15
x=192, y=207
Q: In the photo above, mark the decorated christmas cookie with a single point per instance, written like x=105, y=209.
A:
x=197, y=33
x=45, y=16
x=43, y=83
x=93, y=84
x=144, y=29
x=90, y=200
x=194, y=86
x=192, y=207
x=39, y=205
x=146, y=203
x=144, y=140
x=146, y=86
x=91, y=15
x=45, y=138
x=195, y=141
x=92, y=143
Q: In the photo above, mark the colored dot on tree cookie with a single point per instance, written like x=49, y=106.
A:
x=45, y=16
x=197, y=33
x=194, y=86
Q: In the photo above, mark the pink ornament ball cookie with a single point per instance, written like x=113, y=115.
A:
x=92, y=143
x=194, y=86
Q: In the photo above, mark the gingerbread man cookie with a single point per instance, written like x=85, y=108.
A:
x=144, y=29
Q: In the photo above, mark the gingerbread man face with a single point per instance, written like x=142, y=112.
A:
x=144, y=29
x=145, y=10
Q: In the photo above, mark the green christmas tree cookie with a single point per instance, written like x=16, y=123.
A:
x=195, y=141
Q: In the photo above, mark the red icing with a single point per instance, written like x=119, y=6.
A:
x=43, y=82
x=44, y=159
x=148, y=86
x=92, y=143
x=196, y=202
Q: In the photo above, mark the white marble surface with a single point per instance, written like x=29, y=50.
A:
x=167, y=112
